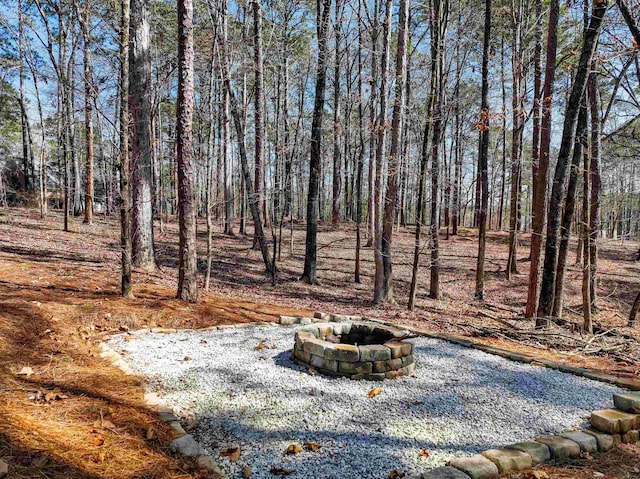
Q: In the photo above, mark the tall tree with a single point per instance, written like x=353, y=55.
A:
x=140, y=135
x=309, y=274
x=483, y=155
x=125, y=192
x=396, y=135
x=436, y=21
x=258, y=108
x=88, y=112
x=337, y=130
x=589, y=43
x=540, y=165
x=381, y=130
x=187, y=266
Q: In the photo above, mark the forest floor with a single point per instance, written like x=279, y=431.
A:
x=64, y=412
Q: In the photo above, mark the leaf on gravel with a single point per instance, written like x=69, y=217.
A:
x=374, y=392
x=191, y=426
x=417, y=403
x=261, y=345
x=25, y=371
x=203, y=341
x=233, y=453
x=424, y=453
x=312, y=446
x=279, y=471
x=246, y=472
x=394, y=474
x=293, y=449
x=187, y=358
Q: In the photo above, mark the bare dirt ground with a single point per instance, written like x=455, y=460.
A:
x=72, y=415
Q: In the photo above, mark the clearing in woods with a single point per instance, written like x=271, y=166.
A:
x=64, y=412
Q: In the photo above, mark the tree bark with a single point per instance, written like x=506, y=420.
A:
x=596, y=184
x=187, y=265
x=396, y=135
x=592, y=33
x=125, y=193
x=483, y=155
x=258, y=109
x=381, y=130
x=337, y=130
x=540, y=165
x=569, y=208
x=311, y=243
x=140, y=135
x=88, y=115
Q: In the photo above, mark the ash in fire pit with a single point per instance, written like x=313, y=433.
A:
x=355, y=350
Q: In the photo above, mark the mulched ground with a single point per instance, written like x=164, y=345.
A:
x=72, y=415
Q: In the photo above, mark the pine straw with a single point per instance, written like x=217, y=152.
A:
x=77, y=416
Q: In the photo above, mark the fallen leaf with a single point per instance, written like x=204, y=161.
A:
x=312, y=392
x=374, y=392
x=98, y=441
x=261, y=345
x=108, y=424
x=187, y=358
x=312, y=446
x=540, y=475
x=192, y=425
x=417, y=403
x=233, y=453
x=54, y=396
x=278, y=471
x=293, y=449
x=150, y=434
x=127, y=338
x=394, y=474
x=246, y=472
x=424, y=453
x=25, y=371
x=203, y=341
x=101, y=457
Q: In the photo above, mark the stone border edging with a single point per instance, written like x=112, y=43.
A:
x=609, y=426
x=184, y=444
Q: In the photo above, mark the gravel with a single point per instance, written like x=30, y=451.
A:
x=462, y=401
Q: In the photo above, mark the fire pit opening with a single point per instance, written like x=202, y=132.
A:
x=355, y=350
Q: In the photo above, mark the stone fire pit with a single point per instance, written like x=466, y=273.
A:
x=355, y=350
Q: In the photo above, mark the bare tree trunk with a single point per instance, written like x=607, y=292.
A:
x=125, y=193
x=569, y=208
x=540, y=165
x=592, y=33
x=373, y=133
x=24, y=119
x=378, y=294
x=436, y=27
x=140, y=135
x=361, y=150
x=483, y=155
x=258, y=110
x=246, y=174
x=337, y=130
x=311, y=242
x=596, y=184
x=187, y=267
x=396, y=135
x=88, y=114
x=517, y=104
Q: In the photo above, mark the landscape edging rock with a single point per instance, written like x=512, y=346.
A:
x=475, y=467
x=184, y=444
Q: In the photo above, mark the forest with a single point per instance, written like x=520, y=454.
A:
x=467, y=168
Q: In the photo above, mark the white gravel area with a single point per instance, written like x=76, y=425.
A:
x=462, y=401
